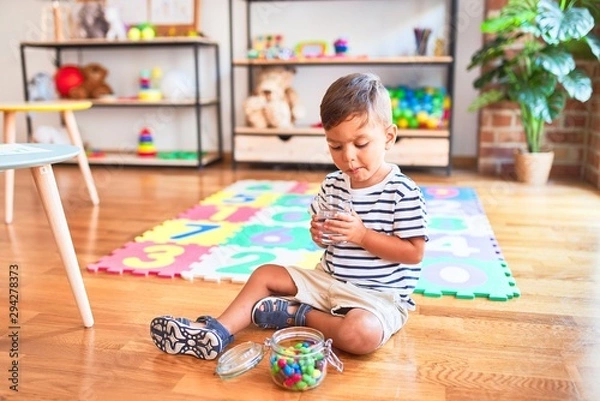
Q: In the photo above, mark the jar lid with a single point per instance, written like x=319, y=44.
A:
x=239, y=359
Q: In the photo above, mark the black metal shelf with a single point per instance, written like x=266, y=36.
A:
x=194, y=43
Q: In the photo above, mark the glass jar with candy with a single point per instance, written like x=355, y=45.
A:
x=298, y=358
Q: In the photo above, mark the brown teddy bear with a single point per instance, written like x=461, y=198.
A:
x=93, y=85
x=274, y=103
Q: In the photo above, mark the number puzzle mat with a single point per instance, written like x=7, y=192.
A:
x=252, y=222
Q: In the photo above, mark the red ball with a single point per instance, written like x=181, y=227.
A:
x=66, y=78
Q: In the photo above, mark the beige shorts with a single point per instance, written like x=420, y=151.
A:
x=321, y=291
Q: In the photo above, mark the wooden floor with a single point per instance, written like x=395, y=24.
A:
x=542, y=346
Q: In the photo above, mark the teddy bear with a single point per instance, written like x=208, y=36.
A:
x=273, y=103
x=93, y=85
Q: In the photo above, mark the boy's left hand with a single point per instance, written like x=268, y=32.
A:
x=348, y=227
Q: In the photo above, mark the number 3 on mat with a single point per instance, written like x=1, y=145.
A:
x=253, y=260
x=155, y=256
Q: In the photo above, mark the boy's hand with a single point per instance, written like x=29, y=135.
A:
x=316, y=231
x=347, y=227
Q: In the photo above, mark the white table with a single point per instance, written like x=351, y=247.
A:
x=39, y=159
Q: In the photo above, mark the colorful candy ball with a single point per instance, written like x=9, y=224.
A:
x=422, y=108
x=298, y=366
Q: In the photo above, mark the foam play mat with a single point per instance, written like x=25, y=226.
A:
x=252, y=222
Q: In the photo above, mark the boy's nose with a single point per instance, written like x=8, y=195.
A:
x=349, y=154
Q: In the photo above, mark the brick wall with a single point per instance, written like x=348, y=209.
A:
x=574, y=136
x=591, y=170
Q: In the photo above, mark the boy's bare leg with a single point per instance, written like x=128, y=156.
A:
x=359, y=332
x=264, y=281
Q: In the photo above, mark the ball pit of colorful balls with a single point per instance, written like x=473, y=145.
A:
x=299, y=366
x=425, y=107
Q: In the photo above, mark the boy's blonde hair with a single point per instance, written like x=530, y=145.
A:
x=359, y=95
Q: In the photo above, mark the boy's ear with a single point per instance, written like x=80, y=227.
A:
x=390, y=136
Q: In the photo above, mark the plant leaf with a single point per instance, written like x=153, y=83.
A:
x=556, y=104
x=557, y=26
x=515, y=14
x=489, y=76
x=535, y=94
x=486, y=98
x=556, y=61
x=593, y=42
x=578, y=85
x=490, y=51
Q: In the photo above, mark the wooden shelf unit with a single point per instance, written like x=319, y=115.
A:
x=196, y=103
x=415, y=147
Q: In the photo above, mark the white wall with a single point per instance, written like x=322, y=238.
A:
x=376, y=27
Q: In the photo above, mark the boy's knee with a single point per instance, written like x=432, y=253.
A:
x=267, y=271
x=362, y=334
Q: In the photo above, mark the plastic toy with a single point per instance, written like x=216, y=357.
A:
x=66, y=78
x=425, y=107
x=49, y=134
x=311, y=49
x=116, y=30
x=148, y=32
x=176, y=84
x=146, y=146
x=95, y=153
x=41, y=87
x=149, y=85
x=134, y=33
x=341, y=46
x=269, y=47
x=144, y=31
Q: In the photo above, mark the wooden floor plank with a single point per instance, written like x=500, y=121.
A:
x=542, y=346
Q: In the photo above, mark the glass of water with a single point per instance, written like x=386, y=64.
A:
x=329, y=208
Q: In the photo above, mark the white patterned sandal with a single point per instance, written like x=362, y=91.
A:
x=177, y=336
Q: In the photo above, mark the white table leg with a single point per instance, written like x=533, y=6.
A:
x=9, y=175
x=84, y=166
x=48, y=191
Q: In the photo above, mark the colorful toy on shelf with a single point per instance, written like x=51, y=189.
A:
x=87, y=82
x=424, y=107
x=144, y=31
x=41, y=87
x=146, y=146
x=94, y=153
x=311, y=49
x=341, y=46
x=178, y=155
x=269, y=47
x=116, y=27
x=66, y=78
x=149, y=85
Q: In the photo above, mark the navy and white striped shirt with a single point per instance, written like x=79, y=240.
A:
x=395, y=206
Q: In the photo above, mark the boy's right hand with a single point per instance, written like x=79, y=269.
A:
x=316, y=231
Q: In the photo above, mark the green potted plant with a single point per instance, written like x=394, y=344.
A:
x=530, y=61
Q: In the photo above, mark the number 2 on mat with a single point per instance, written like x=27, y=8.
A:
x=251, y=260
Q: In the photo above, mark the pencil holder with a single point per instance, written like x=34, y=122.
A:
x=421, y=40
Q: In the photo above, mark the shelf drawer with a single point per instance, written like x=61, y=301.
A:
x=420, y=152
x=289, y=149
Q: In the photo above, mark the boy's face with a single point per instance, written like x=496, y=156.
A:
x=360, y=151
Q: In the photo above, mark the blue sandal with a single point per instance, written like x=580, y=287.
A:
x=272, y=313
x=176, y=336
